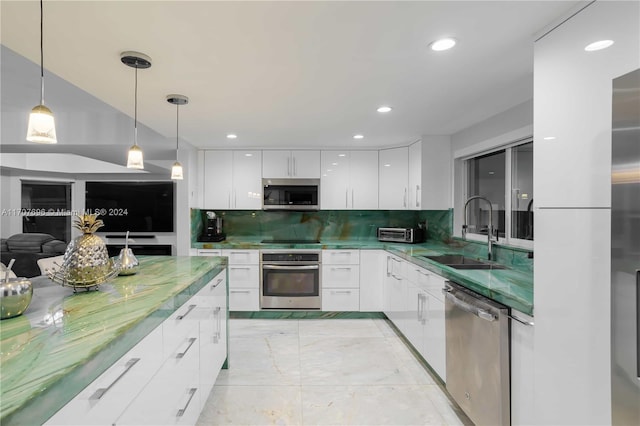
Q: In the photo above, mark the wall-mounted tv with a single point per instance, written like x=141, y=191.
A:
x=132, y=206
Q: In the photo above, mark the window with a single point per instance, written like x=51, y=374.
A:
x=502, y=179
x=45, y=205
x=486, y=178
x=522, y=191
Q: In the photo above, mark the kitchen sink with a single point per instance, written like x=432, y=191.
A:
x=458, y=261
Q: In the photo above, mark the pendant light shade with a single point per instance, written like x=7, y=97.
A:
x=177, y=100
x=42, y=126
x=176, y=171
x=135, y=60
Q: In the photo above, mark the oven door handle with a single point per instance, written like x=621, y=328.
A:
x=299, y=267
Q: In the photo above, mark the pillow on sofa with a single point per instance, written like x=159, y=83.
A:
x=28, y=243
x=54, y=247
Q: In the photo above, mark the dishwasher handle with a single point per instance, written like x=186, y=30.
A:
x=468, y=307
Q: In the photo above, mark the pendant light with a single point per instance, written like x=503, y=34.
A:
x=42, y=126
x=177, y=100
x=135, y=60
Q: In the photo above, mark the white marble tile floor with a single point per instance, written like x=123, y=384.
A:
x=324, y=372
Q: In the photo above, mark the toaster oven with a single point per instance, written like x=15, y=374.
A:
x=401, y=235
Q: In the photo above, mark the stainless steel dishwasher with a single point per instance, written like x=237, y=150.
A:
x=477, y=336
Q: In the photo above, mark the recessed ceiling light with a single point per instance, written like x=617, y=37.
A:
x=248, y=155
x=492, y=173
x=387, y=165
x=598, y=45
x=384, y=109
x=549, y=138
x=443, y=44
x=232, y=136
x=334, y=164
x=342, y=155
x=358, y=136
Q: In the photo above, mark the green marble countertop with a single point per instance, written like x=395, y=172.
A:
x=512, y=287
x=64, y=341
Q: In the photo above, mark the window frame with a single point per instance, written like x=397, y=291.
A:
x=508, y=240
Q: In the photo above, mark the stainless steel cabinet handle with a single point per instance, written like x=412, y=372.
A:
x=388, y=269
x=192, y=340
x=240, y=267
x=529, y=323
x=419, y=307
x=347, y=268
x=181, y=411
x=288, y=268
x=216, y=284
x=240, y=291
x=295, y=167
x=99, y=393
x=340, y=291
x=352, y=205
x=417, y=193
x=191, y=308
x=404, y=199
x=216, y=314
x=346, y=198
x=288, y=166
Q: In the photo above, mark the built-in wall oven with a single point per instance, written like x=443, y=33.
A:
x=290, y=279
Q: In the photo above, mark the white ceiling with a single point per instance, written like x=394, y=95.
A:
x=279, y=74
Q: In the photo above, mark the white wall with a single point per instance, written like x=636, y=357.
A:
x=572, y=178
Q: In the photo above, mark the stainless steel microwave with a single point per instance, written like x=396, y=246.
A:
x=291, y=194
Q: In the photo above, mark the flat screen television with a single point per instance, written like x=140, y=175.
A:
x=132, y=206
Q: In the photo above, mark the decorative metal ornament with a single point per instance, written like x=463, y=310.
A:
x=128, y=264
x=86, y=263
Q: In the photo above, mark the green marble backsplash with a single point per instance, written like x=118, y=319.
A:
x=324, y=224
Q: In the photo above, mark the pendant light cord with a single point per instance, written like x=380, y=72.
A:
x=41, y=55
x=135, y=110
x=177, y=129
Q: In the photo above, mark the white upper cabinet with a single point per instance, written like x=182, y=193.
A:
x=247, y=180
x=394, y=179
x=349, y=180
x=217, y=179
x=415, y=176
x=290, y=164
x=232, y=180
x=434, y=176
x=572, y=108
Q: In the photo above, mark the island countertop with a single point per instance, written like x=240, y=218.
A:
x=64, y=341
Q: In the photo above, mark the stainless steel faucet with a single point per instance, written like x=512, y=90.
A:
x=490, y=239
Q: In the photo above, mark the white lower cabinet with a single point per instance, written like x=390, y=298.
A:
x=244, y=279
x=340, y=280
x=372, y=273
x=522, y=371
x=415, y=304
x=165, y=378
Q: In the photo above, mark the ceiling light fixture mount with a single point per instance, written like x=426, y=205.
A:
x=42, y=125
x=138, y=61
x=177, y=100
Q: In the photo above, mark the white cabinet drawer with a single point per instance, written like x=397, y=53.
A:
x=106, y=397
x=341, y=257
x=165, y=403
x=242, y=257
x=341, y=299
x=340, y=276
x=209, y=252
x=244, y=276
x=244, y=299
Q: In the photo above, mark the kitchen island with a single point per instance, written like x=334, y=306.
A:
x=64, y=341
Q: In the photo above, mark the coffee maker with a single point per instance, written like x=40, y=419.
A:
x=212, y=231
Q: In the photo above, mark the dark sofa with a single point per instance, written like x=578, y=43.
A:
x=26, y=249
